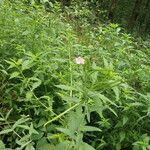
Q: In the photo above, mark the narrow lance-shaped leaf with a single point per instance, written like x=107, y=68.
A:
x=90, y=128
x=66, y=87
x=6, y=131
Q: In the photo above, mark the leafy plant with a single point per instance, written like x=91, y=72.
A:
x=64, y=90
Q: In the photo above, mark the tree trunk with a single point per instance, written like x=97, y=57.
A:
x=65, y=3
x=146, y=24
x=135, y=14
x=112, y=8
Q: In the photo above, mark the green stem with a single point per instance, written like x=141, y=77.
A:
x=70, y=69
x=63, y=113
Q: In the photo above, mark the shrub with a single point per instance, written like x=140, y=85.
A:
x=51, y=101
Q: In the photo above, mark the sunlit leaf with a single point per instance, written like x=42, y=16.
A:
x=2, y=145
x=65, y=87
x=90, y=128
x=14, y=75
x=6, y=131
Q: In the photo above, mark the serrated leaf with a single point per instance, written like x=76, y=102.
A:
x=112, y=111
x=14, y=75
x=102, y=97
x=6, y=131
x=23, y=140
x=23, y=127
x=66, y=145
x=69, y=98
x=105, y=99
x=65, y=87
x=32, y=130
x=2, y=145
x=42, y=144
x=89, y=129
x=85, y=146
x=29, y=147
x=20, y=121
x=67, y=132
x=26, y=64
x=29, y=95
x=35, y=84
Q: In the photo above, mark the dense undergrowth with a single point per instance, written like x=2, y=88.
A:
x=50, y=102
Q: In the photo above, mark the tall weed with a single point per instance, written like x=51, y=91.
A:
x=51, y=101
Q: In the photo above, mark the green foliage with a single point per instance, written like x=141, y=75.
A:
x=49, y=101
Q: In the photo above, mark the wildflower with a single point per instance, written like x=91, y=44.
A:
x=80, y=60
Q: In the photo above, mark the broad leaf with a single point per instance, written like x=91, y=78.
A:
x=85, y=146
x=67, y=132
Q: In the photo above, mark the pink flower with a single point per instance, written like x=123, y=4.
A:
x=80, y=60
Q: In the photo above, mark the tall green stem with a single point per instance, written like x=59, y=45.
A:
x=70, y=69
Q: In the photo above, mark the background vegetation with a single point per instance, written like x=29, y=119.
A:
x=49, y=101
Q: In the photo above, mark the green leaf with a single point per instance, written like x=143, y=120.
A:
x=67, y=132
x=105, y=99
x=35, y=84
x=122, y=136
x=32, y=130
x=6, y=131
x=45, y=1
x=12, y=64
x=112, y=111
x=125, y=119
x=29, y=95
x=4, y=71
x=2, y=146
x=24, y=141
x=8, y=114
x=85, y=146
x=14, y=75
x=118, y=146
x=29, y=147
x=66, y=87
x=90, y=128
x=26, y=64
x=100, y=96
x=42, y=144
x=20, y=121
x=2, y=119
x=116, y=91
x=24, y=127
x=105, y=63
x=69, y=98
x=66, y=145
